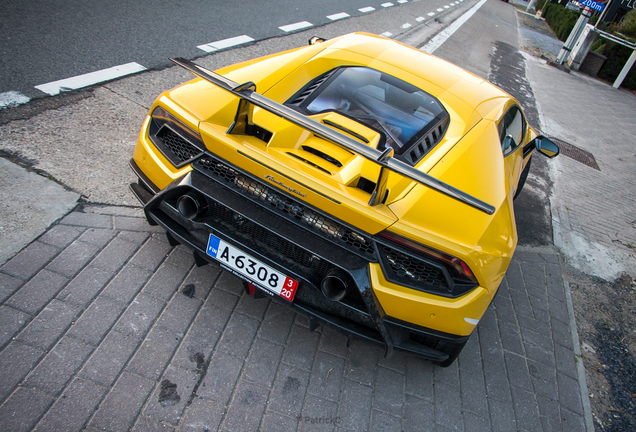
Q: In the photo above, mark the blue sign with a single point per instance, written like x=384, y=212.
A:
x=593, y=5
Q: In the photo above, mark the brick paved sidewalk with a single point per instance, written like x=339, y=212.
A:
x=96, y=333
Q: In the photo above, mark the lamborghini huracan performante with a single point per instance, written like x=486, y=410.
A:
x=359, y=181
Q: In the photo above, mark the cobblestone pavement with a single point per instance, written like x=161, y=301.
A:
x=97, y=333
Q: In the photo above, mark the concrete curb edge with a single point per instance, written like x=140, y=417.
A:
x=580, y=367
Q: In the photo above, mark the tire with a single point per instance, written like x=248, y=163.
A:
x=522, y=179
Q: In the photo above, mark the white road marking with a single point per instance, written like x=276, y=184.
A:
x=12, y=98
x=442, y=37
x=296, y=26
x=367, y=9
x=406, y=25
x=225, y=43
x=403, y=1
x=431, y=14
x=338, y=16
x=446, y=7
x=91, y=78
x=386, y=34
x=387, y=4
x=420, y=19
x=440, y=10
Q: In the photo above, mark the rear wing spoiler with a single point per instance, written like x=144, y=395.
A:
x=247, y=93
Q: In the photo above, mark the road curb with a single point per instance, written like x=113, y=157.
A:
x=580, y=367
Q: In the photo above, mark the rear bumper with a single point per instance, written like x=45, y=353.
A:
x=360, y=313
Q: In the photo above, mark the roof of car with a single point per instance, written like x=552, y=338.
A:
x=445, y=78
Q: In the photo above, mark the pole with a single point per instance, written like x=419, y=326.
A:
x=574, y=35
x=607, y=5
x=531, y=5
x=621, y=76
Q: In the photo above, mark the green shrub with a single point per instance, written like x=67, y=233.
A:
x=560, y=19
x=617, y=55
x=627, y=26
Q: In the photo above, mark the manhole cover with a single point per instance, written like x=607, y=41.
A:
x=579, y=155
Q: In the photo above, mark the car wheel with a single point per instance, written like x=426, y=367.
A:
x=522, y=179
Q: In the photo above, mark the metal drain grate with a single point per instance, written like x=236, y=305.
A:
x=579, y=155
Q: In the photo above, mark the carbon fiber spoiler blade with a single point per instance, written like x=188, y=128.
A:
x=247, y=92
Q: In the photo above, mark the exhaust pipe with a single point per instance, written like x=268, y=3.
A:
x=192, y=206
x=336, y=285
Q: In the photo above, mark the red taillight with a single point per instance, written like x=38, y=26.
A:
x=458, y=265
x=464, y=266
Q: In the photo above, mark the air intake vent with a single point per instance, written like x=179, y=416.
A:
x=300, y=98
x=426, y=144
x=175, y=147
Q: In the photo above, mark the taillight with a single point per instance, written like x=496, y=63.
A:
x=457, y=267
x=175, y=140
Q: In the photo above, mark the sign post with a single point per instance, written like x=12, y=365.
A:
x=575, y=33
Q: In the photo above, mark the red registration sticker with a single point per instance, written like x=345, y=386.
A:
x=289, y=289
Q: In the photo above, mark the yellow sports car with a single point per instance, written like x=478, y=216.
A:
x=359, y=181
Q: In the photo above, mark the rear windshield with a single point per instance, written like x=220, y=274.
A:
x=399, y=110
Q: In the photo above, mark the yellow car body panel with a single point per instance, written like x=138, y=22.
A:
x=428, y=310
x=469, y=157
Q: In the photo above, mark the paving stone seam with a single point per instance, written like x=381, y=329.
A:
x=17, y=332
x=43, y=394
x=193, y=394
x=79, y=368
x=110, y=329
x=87, y=425
x=203, y=372
x=277, y=375
x=60, y=250
x=17, y=386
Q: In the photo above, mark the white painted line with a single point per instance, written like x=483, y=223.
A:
x=91, y=78
x=296, y=26
x=387, y=34
x=406, y=25
x=440, y=10
x=420, y=19
x=446, y=7
x=12, y=99
x=367, y=9
x=387, y=5
x=403, y=1
x=442, y=37
x=431, y=14
x=338, y=16
x=225, y=43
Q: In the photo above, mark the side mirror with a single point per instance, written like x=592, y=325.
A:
x=314, y=40
x=546, y=147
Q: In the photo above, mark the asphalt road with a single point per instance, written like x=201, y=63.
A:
x=45, y=41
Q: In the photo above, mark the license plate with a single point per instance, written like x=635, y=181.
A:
x=252, y=269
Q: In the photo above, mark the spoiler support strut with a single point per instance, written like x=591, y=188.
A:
x=247, y=93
